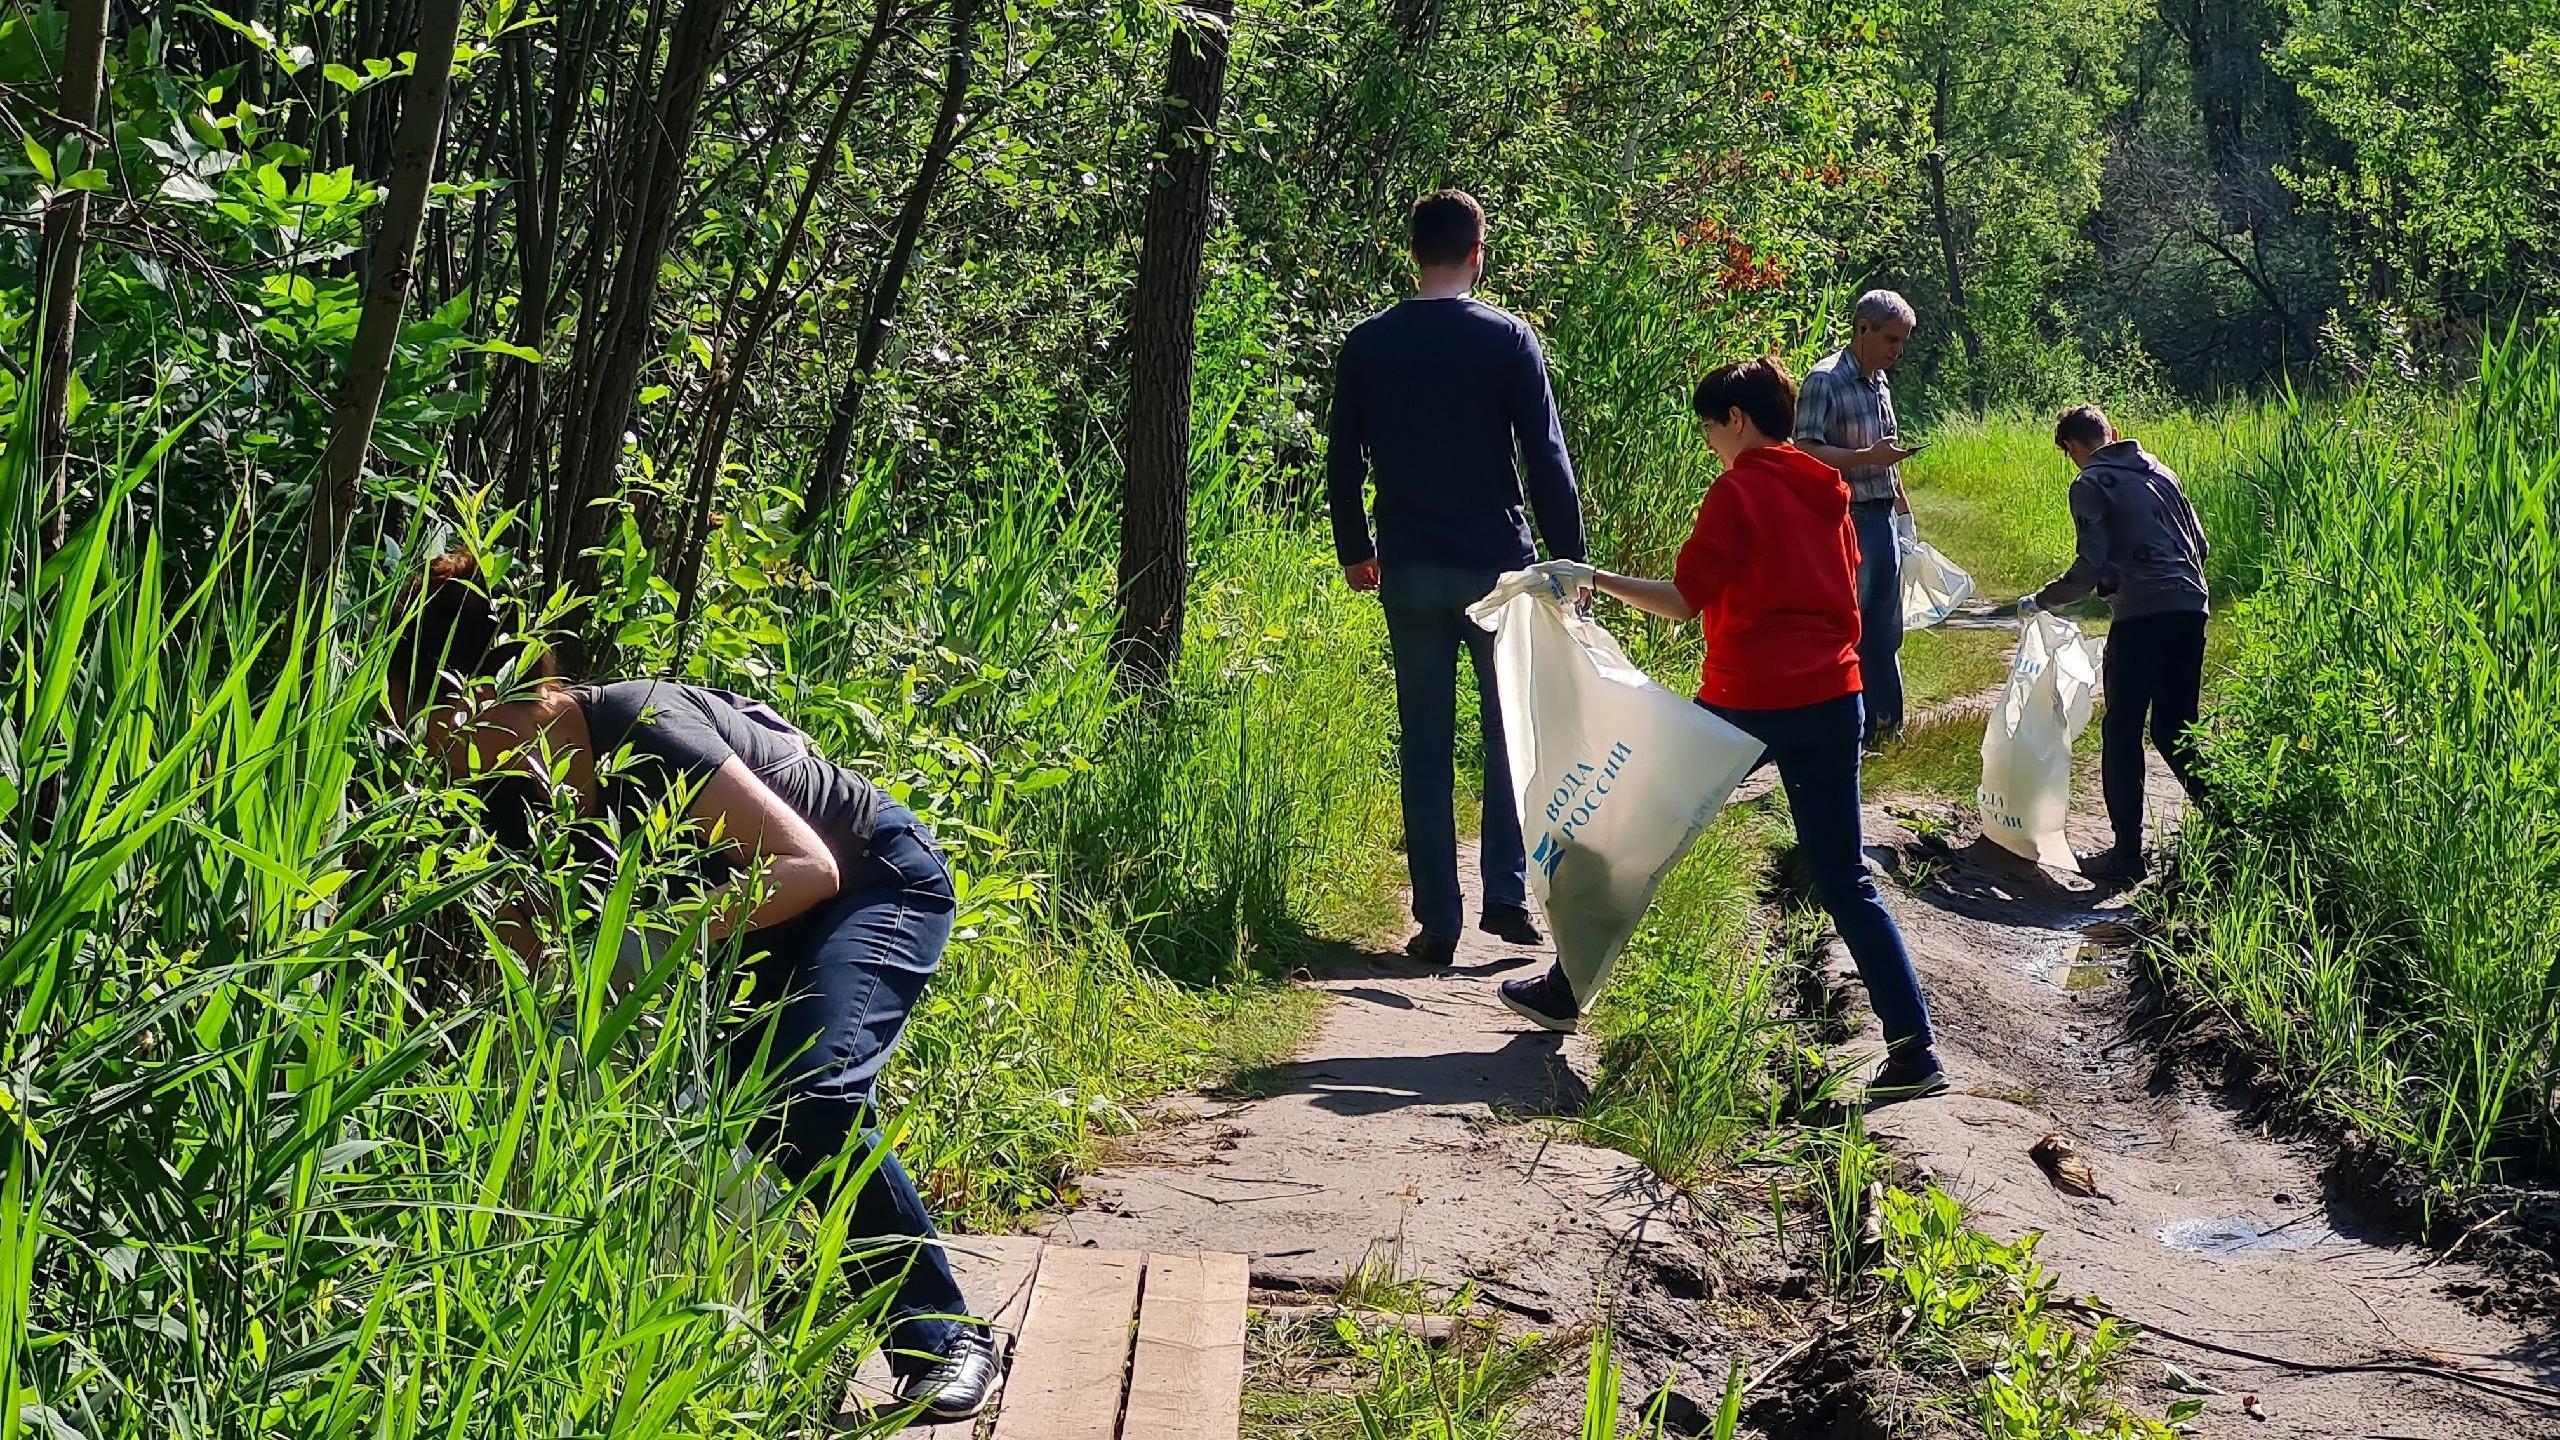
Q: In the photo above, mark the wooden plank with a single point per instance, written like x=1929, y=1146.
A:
x=996, y=1272
x=1073, y=1354
x=1187, y=1380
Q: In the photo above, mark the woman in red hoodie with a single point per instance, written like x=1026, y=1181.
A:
x=1770, y=571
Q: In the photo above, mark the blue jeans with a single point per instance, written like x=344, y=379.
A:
x=846, y=976
x=1815, y=748
x=1427, y=625
x=1879, y=616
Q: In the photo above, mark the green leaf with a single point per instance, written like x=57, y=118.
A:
x=37, y=157
x=90, y=179
x=185, y=187
x=525, y=353
x=342, y=76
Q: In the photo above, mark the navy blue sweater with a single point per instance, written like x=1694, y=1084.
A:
x=1433, y=396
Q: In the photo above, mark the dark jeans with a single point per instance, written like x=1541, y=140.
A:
x=2154, y=671
x=1815, y=748
x=847, y=975
x=1879, y=616
x=1427, y=625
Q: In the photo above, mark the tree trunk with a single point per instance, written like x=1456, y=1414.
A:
x=1155, y=523
x=1937, y=163
x=761, y=313
x=388, y=269
x=882, y=308
x=693, y=48
x=66, y=227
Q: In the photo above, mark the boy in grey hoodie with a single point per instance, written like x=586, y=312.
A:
x=2142, y=549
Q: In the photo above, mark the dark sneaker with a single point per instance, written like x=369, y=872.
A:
x=1431, y=949
x=962, y=1383
x=2115, y=866
x=1511, y=923
x=1543, y=1002
x=1913, y=1075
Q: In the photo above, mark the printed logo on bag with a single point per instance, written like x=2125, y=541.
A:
x=1548, y=855
x=1585, y=788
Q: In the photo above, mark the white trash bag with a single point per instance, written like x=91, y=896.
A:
x=2026, y=749
x=1932, y=587
x=1615, y=776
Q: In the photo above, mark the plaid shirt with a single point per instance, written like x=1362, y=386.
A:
x=1838, y=405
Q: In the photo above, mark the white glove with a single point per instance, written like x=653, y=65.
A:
x=1906, y=533
x=1568, y=578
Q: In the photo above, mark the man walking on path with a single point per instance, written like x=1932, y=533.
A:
x=1445, y=401
x=2142, y=548
x=1844, y=418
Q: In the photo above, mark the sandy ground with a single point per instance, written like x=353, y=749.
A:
x=1412, y=1133
x=2209, y=1226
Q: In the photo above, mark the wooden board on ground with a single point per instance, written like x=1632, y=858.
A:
x=1187, y=1379
x=1103, y=1344
x=1073, y=1358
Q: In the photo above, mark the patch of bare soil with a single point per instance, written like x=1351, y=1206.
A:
x=2234, y=1247
x=1415, y=1133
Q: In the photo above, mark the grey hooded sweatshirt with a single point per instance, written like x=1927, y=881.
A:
x=2140, y=544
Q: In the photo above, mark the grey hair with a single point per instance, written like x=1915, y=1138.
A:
x=1883, y=307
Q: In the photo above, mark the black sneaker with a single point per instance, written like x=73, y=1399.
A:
x=1431, y=949
x=1511, y=923
x=2115, y=866
x=1543, y=1002
x=961, y=1384
x=1912, y=1075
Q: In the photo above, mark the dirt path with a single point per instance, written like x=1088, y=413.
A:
x=2212, y=1228
x=1408, y=1135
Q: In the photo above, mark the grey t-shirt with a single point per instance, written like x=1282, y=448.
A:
x=681, y=734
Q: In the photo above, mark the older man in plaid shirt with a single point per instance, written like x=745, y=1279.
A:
x=1844, y=418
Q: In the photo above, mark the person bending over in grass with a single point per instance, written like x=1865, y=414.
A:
x=2142, y=548
x=843, y=902
x=1771, y=572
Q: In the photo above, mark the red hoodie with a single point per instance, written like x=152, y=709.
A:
x=1772, y=566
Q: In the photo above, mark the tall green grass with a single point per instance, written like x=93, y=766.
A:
x=2379, y=904
x=290, y=1147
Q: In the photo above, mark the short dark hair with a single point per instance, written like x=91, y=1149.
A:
x=2081, y=425
x=1759, y=387
x=1446, y=227
x=460, y=626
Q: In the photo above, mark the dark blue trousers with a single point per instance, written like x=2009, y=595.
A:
x=1427, y=626
x=1879, y=616
x=1816, y=750
x=847, y=974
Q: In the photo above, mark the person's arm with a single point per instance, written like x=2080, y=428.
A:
x=784, y=868
x=1816, y=412
x=2089, y=521
x=1547, y=468
x=1698, y=578
x=1653, y=597
x=1346, y=473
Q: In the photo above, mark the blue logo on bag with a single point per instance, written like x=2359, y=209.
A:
x=1548, y=855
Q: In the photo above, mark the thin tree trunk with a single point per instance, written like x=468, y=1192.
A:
x=693, y=48
x=761, y=313
x=388, y=272
x=882, y=308
x=66, y=228
x=1155, y=520
x=1937, y=163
